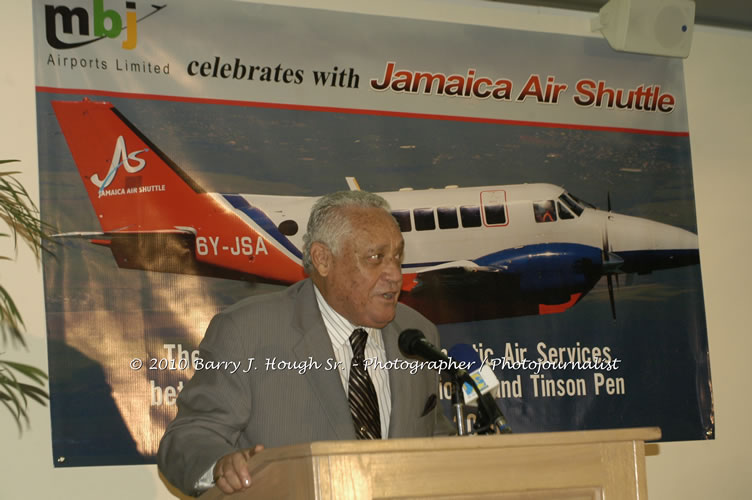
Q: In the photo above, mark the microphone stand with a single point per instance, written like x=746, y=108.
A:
x=458, y=405
x=490, y=418
x=413, y=343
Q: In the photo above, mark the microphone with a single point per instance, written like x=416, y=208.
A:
x=486, y=382
x=483, y=375
x=414, y=344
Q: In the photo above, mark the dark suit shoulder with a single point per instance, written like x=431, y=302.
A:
x=259, y=319
x=407, y=317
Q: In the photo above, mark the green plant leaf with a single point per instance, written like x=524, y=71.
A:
x=10, y=387
x=32, y=372
x=10, y=319
x=15, y=395
x=35, y=393
x=21, y=215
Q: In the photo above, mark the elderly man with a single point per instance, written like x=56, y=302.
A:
x=346, y=312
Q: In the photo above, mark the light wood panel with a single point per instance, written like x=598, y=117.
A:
x=581, y=465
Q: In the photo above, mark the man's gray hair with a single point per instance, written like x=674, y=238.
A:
x=328, y=223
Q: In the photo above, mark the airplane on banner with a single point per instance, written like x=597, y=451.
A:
x=470, y=252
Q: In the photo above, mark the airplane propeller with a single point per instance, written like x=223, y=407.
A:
x=606, y=266
x=611, y=261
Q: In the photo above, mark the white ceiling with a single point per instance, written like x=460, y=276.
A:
x=736, y=14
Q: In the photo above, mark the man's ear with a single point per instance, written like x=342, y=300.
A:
x=321, y=258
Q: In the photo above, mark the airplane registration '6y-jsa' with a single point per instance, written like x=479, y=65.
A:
x=471, y=252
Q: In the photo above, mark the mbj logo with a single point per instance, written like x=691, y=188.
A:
x=106, y=23
x=120, y=157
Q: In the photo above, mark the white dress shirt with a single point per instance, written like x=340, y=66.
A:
x=339, y=330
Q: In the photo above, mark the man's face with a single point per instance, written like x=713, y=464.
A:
x=363, y=282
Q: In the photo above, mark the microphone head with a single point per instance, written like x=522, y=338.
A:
x=483, y=375
x=408, y=340
x=466, y=353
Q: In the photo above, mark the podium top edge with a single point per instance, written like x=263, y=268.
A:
x=449, y=443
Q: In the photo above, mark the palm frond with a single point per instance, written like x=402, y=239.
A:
x=4, y=401
x=21, y=214
x=29, y=371
x=19, y=382
x=11, y=322
x=15, y=394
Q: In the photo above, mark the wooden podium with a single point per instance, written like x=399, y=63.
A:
x=592, y=465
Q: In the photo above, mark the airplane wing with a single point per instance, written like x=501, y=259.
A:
x=500, y=285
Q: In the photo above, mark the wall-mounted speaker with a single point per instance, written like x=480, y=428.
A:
x=658, y=27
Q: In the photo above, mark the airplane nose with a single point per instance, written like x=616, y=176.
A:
x=633, y=234
x=670, y=237
x=647, y=245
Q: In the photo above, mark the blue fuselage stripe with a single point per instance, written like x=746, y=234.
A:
x=263, y=221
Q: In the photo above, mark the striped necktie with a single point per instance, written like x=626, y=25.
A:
x=364, y=405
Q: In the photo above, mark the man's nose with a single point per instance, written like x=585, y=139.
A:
x=393, y=269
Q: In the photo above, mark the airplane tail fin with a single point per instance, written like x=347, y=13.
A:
x=119, y=166
x=138, y=192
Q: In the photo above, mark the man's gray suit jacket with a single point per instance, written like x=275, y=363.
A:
x=220, y=412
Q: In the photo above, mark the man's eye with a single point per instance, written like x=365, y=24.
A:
x=375, y=257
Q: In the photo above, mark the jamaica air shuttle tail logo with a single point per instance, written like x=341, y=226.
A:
x=120, y=158
x=99, y=23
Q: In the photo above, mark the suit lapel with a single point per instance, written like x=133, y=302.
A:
x=402, y=387
x=314, y=342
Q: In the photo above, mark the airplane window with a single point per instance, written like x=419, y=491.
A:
x=581, y=202
x=544, y=211
x=563, y=212
x=447, y=217
x=403, y=219
x=424, y=219
x=470, y=216
x=288, y=227
x=495, y=214
x=577, y=209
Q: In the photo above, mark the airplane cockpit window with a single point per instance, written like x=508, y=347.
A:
x=564, y=213
x=495, y=214
x=573, y=205
x=424, y=220
x=544, y=211
x=447, y=217
x=470, y=216
x=581, y=202
x=403, y=219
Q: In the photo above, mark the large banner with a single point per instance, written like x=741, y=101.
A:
x=543, y=185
